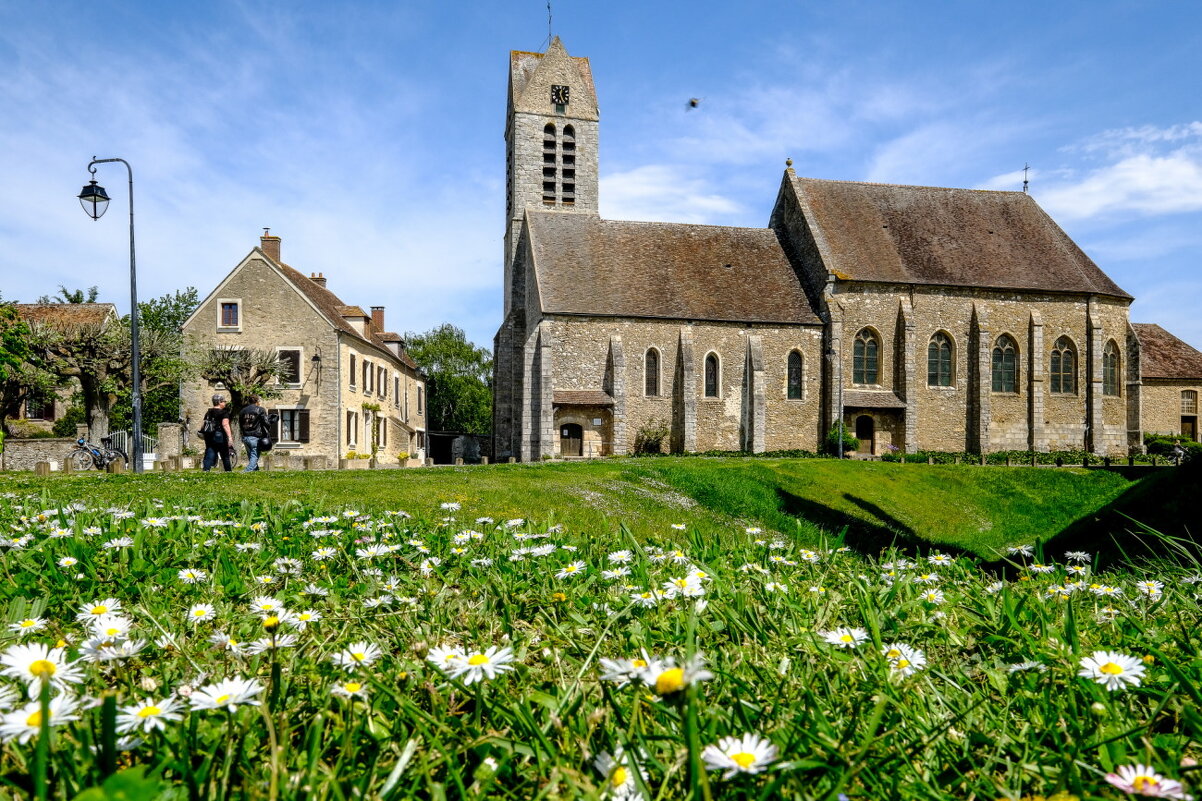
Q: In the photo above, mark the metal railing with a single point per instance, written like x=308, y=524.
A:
x=123, y=441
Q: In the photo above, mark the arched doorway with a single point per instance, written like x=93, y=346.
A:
x=865, y=428
x=571, y=439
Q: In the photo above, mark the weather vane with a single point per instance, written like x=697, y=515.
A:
x=1026, y=167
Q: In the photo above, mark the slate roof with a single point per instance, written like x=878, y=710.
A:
x=948, y=237
x=66, y=315
x=332, y=307
x=581, y=397
x=1162, y=355
x=589, y=266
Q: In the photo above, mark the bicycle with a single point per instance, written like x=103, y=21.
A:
x=85, y=454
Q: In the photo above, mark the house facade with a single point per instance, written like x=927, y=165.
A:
x=924, y=318
x=349, y=388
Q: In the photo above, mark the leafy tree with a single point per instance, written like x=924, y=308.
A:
x=245, y=371
x=72, y=295
x=161, y=372
x=458, y=379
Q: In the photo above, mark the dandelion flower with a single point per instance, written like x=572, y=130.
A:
x=1142, y=780
x=148, y=716
x=750, y=753
x=1112, y=670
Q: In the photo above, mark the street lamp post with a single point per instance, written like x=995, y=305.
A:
x=95, y=201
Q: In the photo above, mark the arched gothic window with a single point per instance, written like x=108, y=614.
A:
x=712, y=376
x=550, y=166
x=1064, y=366
x=794, y=376
x=939, y=361
x=1005, y=365
x=866, y=358
x=1110, y=369
x=651, y=373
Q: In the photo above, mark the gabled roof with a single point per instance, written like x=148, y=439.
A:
x=1162, y=355
x=589, y=266
x=947, y=237
x=62, y=316
x=531, y=76
x=332, y=308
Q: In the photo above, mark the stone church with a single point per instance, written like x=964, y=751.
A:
x=927, y=318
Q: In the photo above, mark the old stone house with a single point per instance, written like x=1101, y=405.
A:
x=923, y=317
x=349, y=386
x=1171, y=380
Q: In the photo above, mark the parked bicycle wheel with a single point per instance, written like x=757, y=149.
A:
x=81, y=460
x=112, y=454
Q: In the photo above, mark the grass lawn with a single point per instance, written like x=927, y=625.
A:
x=966, y=508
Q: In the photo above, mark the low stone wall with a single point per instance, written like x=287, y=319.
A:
x=23, y=454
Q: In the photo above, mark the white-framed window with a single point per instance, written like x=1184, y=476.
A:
x=229, y=315
x=367, y=376
x=382, y=381
x=352, y=429
x=293, y=427
x=291, y=361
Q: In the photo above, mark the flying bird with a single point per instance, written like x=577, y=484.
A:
x=693, y=103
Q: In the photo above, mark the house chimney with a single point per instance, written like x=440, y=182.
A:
x=377, y=317
x=270, y=245
x=318, y=279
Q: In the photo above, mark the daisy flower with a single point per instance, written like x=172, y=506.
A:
x=904, y=660
x=119, y=542
x=39, y=663
x=68, y=561
x=480, y=665
x=1152, y=589
x=445, y=657
x=201, y=612
x=358, y=654
x=623, y=671
x=845, y=637
x=616, y=573
x=776, y=586
x=25, y=723
x=227, y=694
x=750, y=753
x=686, y=586
x=265, y=605
x=1142, y=780
x=1077, y=556
x=620, y=557
x=192, y=576
x=108, y=606
x=1112, y=670
x=571, y=569
x=28, y=626
x=939, y=559
x=619, y=775
x=148, y=716
x=302, y=620
x=666, y=677
x=349, y=689
x=646, y=598
x=932, y=596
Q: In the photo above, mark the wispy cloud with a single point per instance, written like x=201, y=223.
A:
x=662, y=193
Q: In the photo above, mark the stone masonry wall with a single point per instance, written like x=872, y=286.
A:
x=1162, y=404
x=721, y=423
x=23, y=454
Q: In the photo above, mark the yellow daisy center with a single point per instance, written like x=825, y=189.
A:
x=272, y=622
x=478, y=659
x=893, y=653
x=358, y=656
x=199, y=612
x=149, y=712
x=304, y=616
x=618, y=777
x=35, y=719
x=846, y=638
x=99, y=610
x=25, y=624
x=670, y=681
x=43, y=668
x=112, y=631
x=743, y=759
x=1111, y=669
x=902, y=664
x=222, y=699
x=1141, y=783
x=638, y=663
x=352, y=686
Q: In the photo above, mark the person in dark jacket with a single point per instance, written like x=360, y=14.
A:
x=253, y=422
x=219, y=438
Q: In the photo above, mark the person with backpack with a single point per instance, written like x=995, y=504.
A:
x=256, y=431
x=215, y=430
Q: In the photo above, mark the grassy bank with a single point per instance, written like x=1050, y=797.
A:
x=968, y=508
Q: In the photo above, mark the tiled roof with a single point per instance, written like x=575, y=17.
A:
x=1162, y=355
x=586, y=265
x=66, y=315
x=871, y=399
x=581, y=397
x=947, y=237
x=332, y=307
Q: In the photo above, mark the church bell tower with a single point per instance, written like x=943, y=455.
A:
x=550, y=139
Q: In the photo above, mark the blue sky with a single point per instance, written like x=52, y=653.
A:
x=370, y=135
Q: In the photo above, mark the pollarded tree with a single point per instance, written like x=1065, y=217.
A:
x=243, y=371
x=21, y=373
